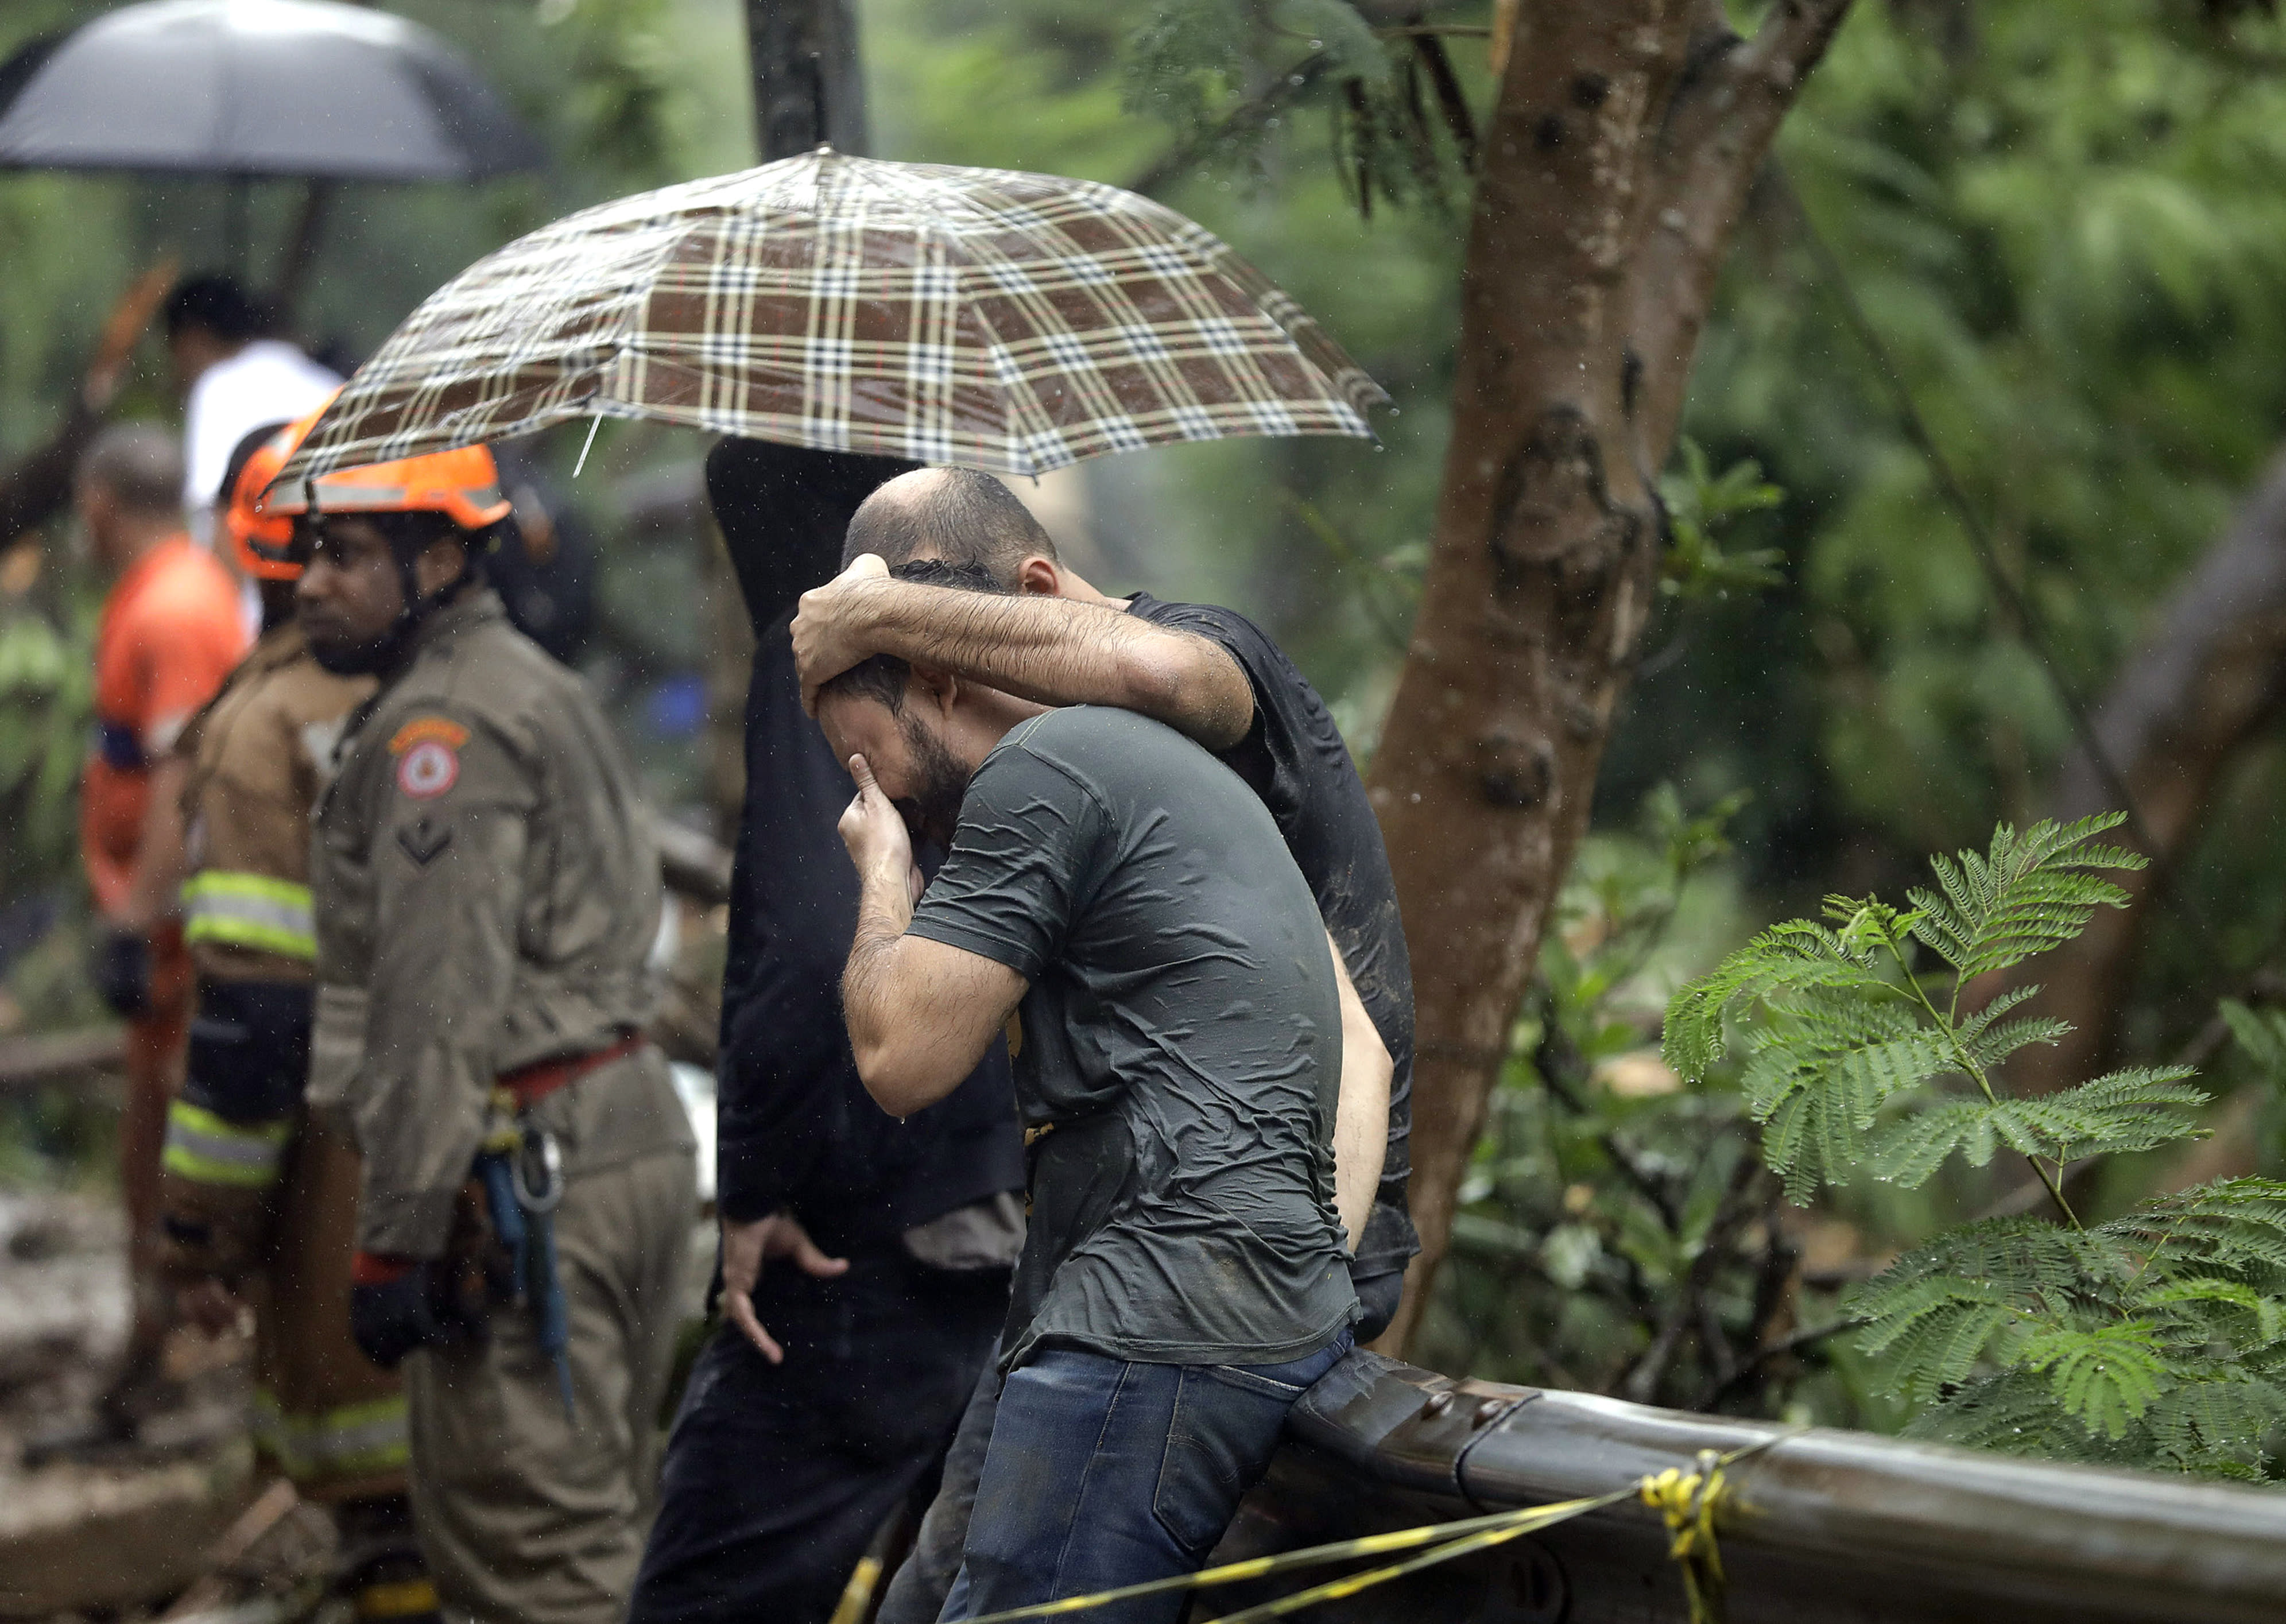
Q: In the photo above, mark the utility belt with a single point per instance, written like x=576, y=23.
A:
x=521, y=1171
x=531, y=1084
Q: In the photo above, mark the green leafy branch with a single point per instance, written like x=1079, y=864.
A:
x=2156, y=1338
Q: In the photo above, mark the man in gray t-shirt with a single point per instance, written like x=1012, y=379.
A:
x=1176, y=1033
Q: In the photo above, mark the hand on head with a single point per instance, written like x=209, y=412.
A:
x=825, y=641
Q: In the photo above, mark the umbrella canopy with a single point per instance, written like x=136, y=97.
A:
x=252, y=88
x=1007, y=322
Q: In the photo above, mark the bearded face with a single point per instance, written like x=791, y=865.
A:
x=932, y=812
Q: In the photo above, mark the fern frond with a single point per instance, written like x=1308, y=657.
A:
x=1796, y=956
x=2124, y=1111
x=2029, y=894
x=2221, y=1423
x=1941, y=1350
x=2232, y=1226
x=2013, y=1410
x=2015, y=1257
x=2105, y=1377
x=1914, y=1148
x=2267, y=1314
x=1972, y=1026
x=1817, y=1086
x=1989, y=1048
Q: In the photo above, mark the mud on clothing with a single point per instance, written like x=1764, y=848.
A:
x=1181, y=1045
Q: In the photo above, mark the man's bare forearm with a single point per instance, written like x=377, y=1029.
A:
x=884, y=909
x=1054, y=652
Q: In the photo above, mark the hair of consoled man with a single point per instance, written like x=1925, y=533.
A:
x=938, y=778
x=955, y=516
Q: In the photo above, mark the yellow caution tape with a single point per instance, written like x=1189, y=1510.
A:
x=1689, y=1500
x=858, y=1592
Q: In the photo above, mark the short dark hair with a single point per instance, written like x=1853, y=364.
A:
x=219, y=306
x=964, y=517
x=140, y=465
x=883, y=676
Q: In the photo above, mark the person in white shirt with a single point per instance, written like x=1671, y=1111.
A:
x=234, y=378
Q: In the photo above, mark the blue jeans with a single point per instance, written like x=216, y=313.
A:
x=1103, y=1472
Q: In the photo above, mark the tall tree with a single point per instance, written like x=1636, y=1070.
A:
x=1617, y=160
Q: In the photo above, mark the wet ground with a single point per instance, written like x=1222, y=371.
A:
x=120, y=1530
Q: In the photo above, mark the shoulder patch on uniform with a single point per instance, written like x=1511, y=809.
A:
x=443, y=730
x=428, y=769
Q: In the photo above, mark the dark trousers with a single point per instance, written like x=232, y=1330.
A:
x=778, y=1476
x=1103, y=1473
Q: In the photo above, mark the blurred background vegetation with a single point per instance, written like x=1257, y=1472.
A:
x=2053, y=226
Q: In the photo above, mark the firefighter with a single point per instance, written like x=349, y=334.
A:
x=487, y=891
x=258, y=1199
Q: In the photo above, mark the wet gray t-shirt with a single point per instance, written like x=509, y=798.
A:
x=1181, y=1045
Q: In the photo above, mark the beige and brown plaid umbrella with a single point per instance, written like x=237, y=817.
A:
x=1009, y=322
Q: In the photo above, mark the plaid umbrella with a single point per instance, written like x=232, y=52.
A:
x=1010, y=322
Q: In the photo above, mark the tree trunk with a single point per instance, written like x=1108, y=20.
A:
x=807, y=89
x=2171, y=723
x=1624, y=139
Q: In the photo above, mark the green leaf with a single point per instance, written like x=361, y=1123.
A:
x=2107, y=1377
x=2024, y=896
x=2267, y=1312
x=2119, y=1113
x=2262, y=1034
x=1346, y=38
x=1792, y=957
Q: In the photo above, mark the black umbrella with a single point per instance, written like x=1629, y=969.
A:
x=249, y=88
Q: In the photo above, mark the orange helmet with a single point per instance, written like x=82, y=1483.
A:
x=260, y=536
x=462, y=484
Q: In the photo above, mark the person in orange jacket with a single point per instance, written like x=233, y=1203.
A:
x=170, y=631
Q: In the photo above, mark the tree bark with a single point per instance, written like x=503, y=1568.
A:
x=1619, y=157
x=2171, y=723
x=807, y=89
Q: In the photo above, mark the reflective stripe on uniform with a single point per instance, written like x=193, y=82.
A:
x=210, y=1149
x=250, y=911
x=351, y=1441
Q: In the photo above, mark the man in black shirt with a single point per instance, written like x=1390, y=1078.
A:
x=1178, y=1052
x=1213, y=675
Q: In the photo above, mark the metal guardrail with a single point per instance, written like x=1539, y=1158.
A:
x=1824, y=1525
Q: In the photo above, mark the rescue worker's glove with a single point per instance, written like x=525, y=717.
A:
x=400, y=1303
x=122, y=971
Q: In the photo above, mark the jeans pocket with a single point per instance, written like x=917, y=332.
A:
x=1225, y=1424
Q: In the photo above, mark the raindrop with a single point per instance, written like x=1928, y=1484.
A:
x=1296, y=79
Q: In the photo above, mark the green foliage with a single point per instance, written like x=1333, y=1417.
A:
x=1701, y=503
x=46, y=708
x=1614, y=1232
x=2158, y=1338
x=1223, y=72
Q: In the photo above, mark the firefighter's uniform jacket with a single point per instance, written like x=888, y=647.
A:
x=487, y=893
x=252, y=1190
